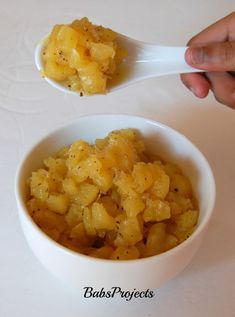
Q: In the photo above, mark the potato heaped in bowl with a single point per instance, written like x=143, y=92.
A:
x=112, y=200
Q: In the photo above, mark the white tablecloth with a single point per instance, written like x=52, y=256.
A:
x=29, y=108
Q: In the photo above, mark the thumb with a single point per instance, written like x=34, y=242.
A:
x=212, y=57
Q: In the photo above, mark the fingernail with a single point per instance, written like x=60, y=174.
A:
x=196, y=55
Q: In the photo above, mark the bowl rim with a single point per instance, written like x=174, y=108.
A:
x=22, y=207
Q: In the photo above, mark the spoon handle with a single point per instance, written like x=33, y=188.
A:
x=165, y=59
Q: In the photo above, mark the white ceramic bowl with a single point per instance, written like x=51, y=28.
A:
x=80, y=270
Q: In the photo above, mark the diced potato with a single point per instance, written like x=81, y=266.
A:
x=187, y=220
x=105, y=34
x=170, y=242
x=77, y=57
x=58, y=203
x=78, y=151
x=80, y=172
x=155, y=239
x=128, y=232
x=101, y=177
x=67, y=38
x=100, y=51
x=35, y=204
x=88, y=223
x=86, y=194
x=171, y=169
x=110, y=205
x=79, y=232
x=41, y=184
x=48, y=220
x=156, y=210
x=74, y=215
x=57, y=71
x=161, y=183
x=124, y=150
x=70, y=187
x=183, y=204
x=181, y=185
x=142, y=177
x=92, y=79
x=175, y=208
x=101, y=219
x=51, y=45
x=125, y=185
x=133, y=205
x=56, y=165
x=85, y=31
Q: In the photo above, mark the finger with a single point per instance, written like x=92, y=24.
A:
x=221, y=31
x=197, y=83
x=223, y=87
x=212, y=57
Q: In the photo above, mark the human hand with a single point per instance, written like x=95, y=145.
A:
x=213, y=50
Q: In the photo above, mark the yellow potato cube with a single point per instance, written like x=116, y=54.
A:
x=100, y=51
x=187, y=220
x=57, y=71
x=41, y=184
x=58, y=203
x=78, y=232
x=181, y=185
x=51, y=45
x=78, y=151
x=67, y=38
x=87, y=221
x=142, y=177
x=128, y=232
x=171, y=169
x=161, y=183
x=133, y=205
x=86, y=194
x=156, y=210
x=70, y=187
x=74, y=215
x=56, y=165
x=101, y=219
x=77, y=57
x=155, y=239
x=170, y=242
x=110, y=205
x=100, y=176
x=125, y=185
x=105, y=34
x=35, y=204
x=48, y=220
x=92, y=79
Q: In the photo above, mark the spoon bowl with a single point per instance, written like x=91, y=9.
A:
x=144, y=61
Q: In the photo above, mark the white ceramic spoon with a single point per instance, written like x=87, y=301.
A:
x=143, y=61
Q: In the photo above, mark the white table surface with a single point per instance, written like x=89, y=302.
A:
x=29, y=108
